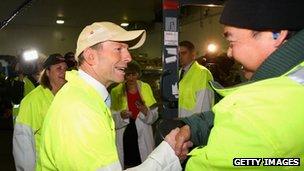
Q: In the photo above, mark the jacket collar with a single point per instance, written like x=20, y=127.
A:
x=282, y=60
x=289, y=55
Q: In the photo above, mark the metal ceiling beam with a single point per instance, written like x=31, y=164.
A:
x=25, y=4
x=201, y=2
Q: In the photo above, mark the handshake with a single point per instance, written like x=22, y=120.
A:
x=179, y=140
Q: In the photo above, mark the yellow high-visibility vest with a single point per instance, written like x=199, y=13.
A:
x=78, y=132
x=263, y=119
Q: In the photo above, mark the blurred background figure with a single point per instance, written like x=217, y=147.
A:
x=224, y=70
x=5, y=102
x=28, y=69
x=195, y=94
x=70, y=61
x=33, y=108
x=134, y=110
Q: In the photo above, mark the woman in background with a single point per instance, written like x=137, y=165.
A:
x=134, y=111
x=33, y=108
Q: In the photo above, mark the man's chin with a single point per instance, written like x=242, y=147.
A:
x=119, y=80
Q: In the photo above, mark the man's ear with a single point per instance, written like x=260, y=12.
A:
x=89, y=56
x=280, y=37
x=193, y=54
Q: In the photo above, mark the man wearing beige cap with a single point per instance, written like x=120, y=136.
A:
x=79, y=132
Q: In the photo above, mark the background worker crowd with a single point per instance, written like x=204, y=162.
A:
x=263, y=117
x=33, y=108
x=200, y=97
x=25, y=81
x=134, y=111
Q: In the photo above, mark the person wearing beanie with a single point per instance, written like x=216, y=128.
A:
x=262, y=118
x=79, y=132
x=33, y=108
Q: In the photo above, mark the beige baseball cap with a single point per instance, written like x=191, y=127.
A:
x=107, y=31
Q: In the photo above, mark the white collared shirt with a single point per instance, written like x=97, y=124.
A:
x=187, y=67
x=101, y=89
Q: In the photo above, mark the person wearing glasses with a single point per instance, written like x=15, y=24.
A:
x=134, y=111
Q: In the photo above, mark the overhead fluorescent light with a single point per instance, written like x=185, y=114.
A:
x=60, y=21
x=124, y=24
x=30, y=55
x=212, y=48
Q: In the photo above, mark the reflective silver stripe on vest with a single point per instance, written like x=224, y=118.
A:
x=111, y=167
x=297, y=75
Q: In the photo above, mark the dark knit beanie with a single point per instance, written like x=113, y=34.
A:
x=264, y=14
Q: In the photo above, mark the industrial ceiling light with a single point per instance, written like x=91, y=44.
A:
x=124, y=24
x=30, y=55
x=212, y=48
x=212, y=5
x=60, y=21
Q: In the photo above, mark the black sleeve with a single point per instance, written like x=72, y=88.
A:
x=200, y=125
x=5, y=99
x=16, y=91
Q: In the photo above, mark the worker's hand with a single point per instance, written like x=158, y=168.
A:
x=183, y=142
x=184, y=150
x=142, y=107
x=125, y=114
x=171, y=137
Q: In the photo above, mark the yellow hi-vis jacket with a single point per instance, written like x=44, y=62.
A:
x=28, y=86
x=195, y=94
x=118, y=94
x=263, y=119
x=78, y=132
x=26, y=138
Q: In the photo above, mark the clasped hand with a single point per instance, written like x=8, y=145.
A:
x=179, y=140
